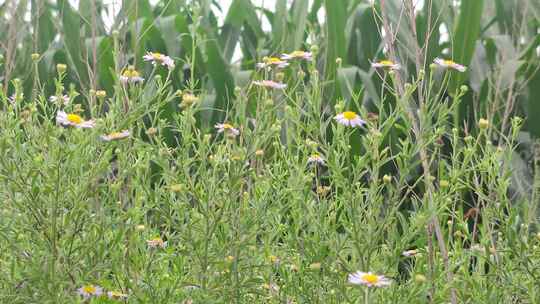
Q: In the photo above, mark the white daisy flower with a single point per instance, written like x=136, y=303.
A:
x=158, y=58
x=116, y=295
x=270, y=84
x=64, y=99
x=73, y=120
x=130, y=75
x=315, y=158
x=156, y=243
x=368, y=279
x=410, y=253
x=116, y=135
x=349, y=119
x=386, y=64
x=297, y=55
x=228, y=129
x=449, y=64
x=88, y=291
x=272, y=62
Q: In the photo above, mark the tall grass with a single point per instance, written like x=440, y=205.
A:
x=215, y=189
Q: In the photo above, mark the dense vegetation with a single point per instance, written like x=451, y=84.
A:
x=353, y=152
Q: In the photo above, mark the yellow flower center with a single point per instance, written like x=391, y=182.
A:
x=157, y=56
x=386, y=62
x=349, y=115
x=227, y=126
x=273, y=60
x=370, y=278
x=74, y=118
x=115, y=135
x=90, y=289
x=449, y=62
x=130, y=73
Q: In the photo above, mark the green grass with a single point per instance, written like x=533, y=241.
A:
x=445, y=163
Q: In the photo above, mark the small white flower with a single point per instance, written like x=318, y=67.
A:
x=88, y=291
x=64, y=99
x=130, y=75
x=449, y=64
x=315, y=158
x=116, y=295
x=73, y=120
x=410, y=253
x=158, y=58
x=228, y=129
x=115, y=135
x=297, y=55
x=156, y=243
x=272, y=62
x=349, y=119
x=386, y=64
x=368, y=279
x=270, y=84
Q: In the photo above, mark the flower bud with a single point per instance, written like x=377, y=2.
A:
x=176, y=188
x=420, y=278
x=140, y=227
x=101, y=94
x=34, y=56
x=314, y=49
x=315, y=266
x=259, y=152
x=387, y=179
x=339, y=61
x=444, y=184
x=269, y=102
x=151, y=131
x=115, y=33
x=61, y=68
x=483, y=123
x=464, y=89
x=538, y=236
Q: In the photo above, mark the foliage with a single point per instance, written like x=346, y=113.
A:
x=446, y=163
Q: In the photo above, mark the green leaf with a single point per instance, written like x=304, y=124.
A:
x=46, y=29
x=222, y=79
x=299, y=14
x=336, y=19
x=71, y=24
x=466, y=33
x=533, y=125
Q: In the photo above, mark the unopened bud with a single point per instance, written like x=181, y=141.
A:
x=420, y=278
x=483, y=123
x=61, y=68
x=444, y=183
x=259, y=152
x=35, y=56
x=176, y=188
x=101, y=94
x=151, y=131
x=387, y=179
x=315, y=266
x=280, y=76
